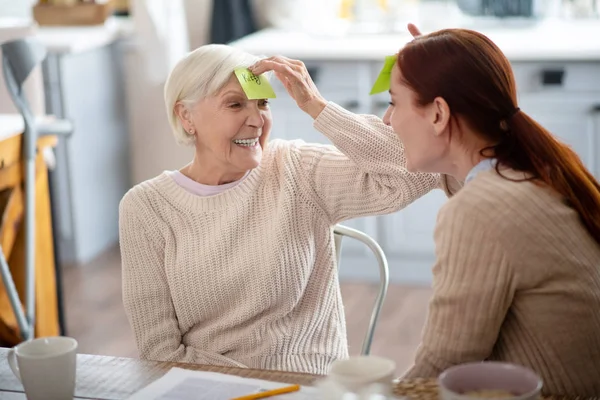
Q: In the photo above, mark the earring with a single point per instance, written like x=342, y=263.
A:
x=192, y=131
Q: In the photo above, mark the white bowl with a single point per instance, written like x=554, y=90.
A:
x=487, y=378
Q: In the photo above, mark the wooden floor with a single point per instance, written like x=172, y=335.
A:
x=95, y=316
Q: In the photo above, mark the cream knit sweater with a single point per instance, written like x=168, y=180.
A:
x=517, y=279
x=248, y=277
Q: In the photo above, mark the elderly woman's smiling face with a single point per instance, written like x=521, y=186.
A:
x=231, y=131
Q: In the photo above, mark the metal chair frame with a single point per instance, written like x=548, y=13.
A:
x=341, y=231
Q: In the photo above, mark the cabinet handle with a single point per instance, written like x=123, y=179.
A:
x=553, y=77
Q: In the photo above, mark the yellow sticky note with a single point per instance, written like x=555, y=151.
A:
x=255, y=87
x=384, y=79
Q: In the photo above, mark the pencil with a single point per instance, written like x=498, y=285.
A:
x=269, y=393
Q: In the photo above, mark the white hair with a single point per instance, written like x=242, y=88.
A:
x=201, y=73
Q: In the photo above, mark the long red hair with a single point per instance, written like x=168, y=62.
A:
x=474, y=77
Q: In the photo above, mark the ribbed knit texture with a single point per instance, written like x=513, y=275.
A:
x=248, y=277
x=517, y=279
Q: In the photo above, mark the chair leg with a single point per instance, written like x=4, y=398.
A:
x=57, y=266
x=13, y=296
x=30, y=241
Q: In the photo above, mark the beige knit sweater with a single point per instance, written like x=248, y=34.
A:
x=517, y=278
x=248, y=277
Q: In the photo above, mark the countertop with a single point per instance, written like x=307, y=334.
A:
x=76, y=39
x=10, y=125
x=550, y=40
x=72, y=39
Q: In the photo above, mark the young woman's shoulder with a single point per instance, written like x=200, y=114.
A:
x=505, y=200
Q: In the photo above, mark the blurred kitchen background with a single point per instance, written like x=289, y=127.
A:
x=105, y=71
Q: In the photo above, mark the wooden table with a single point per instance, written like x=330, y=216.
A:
x=115, y=378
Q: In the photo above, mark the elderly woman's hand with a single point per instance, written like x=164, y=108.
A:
x=298, y=83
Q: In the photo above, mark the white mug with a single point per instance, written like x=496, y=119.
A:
x=362, y=375
x=46, y=367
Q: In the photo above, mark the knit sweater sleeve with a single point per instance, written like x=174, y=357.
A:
x=473, y=288
x=146, y=293
x=364, y=173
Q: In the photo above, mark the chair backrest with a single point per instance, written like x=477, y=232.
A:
x=384, y=275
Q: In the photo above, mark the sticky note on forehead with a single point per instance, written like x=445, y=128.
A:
x=384, y=80
x=255, y=86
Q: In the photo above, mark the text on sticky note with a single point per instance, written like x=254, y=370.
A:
x=383, y=81
x=255, y=86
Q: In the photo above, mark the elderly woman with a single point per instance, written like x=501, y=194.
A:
x=230, y=260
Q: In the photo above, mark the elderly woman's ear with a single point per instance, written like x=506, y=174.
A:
x=185, y=116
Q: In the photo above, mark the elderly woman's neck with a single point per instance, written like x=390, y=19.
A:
x=211, y=175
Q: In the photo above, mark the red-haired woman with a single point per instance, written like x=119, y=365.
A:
x=517, y=276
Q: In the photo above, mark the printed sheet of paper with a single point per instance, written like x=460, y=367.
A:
x=183, y=384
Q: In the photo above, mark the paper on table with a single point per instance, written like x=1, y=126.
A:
x=183, y=384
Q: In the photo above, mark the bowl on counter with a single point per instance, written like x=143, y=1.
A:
x=489, y=380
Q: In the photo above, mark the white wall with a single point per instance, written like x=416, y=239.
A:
x=16, y=8
x=199, y=15
x=153, y=148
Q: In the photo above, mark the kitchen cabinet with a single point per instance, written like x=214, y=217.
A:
x=565, y=99
x=572, y=120
x=83, y=81
x=562, y=96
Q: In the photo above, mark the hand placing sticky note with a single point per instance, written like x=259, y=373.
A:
x=384, y=79
x=255, y=87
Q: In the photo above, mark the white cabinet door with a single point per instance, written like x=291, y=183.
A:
x=573, y=118
x=409, y=232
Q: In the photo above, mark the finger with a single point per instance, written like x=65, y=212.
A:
x=292, y=61
x=414, y=31
x=296, y=65
x=267, y=64
x=282, y=68
x=262, y=66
